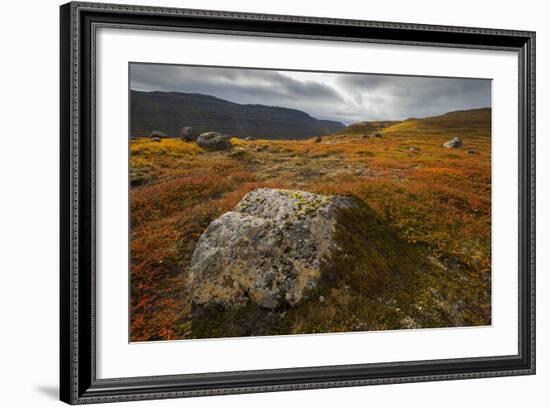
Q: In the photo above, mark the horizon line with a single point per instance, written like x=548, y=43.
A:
x=303, y=111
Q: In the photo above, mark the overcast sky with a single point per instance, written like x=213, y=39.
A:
x=348, y=98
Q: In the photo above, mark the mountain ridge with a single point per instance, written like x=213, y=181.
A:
x=168, y=112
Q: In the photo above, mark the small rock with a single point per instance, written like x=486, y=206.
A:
x=413, y=148
x=157, y=139
x=473, y=152
x=247, y=138
x=321, y=299
x=318, y=139
x=454, y=143
x=214, y=141
x=186, y=134
x=158, y=134
x=377, y=135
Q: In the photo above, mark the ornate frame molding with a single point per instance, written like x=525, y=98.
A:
x=79, y=21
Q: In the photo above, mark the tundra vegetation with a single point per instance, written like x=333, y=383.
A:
x=414, y=254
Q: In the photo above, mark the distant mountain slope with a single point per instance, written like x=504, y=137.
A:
x=170, y=111
x=474, y=121
x=471, y=118
x=363, y=128
x=461, y=121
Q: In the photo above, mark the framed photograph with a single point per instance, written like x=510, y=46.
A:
x=254, y=203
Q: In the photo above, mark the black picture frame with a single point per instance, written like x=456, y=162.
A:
x=78, y=382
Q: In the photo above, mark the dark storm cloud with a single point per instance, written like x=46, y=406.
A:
x=233, y=84
x=344, y=97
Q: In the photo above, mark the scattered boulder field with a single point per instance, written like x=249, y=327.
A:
x=214, y=141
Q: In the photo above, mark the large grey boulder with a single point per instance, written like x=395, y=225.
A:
x=214, y=141
x=268, y=250
x=454, y=143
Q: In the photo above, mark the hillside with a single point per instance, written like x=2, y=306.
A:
x=460, y=123
x=477, y=118
x=365, y=128
x=170, y=111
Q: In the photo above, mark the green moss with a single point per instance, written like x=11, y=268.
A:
x=307, y=205
x=248, y=320
x=183, y=329
x=377, y=280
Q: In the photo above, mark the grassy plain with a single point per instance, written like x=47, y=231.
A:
x=421, y=260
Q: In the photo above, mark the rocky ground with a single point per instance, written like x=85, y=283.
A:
x=412, y=251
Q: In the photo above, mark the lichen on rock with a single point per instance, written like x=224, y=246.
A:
x=267, y=251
